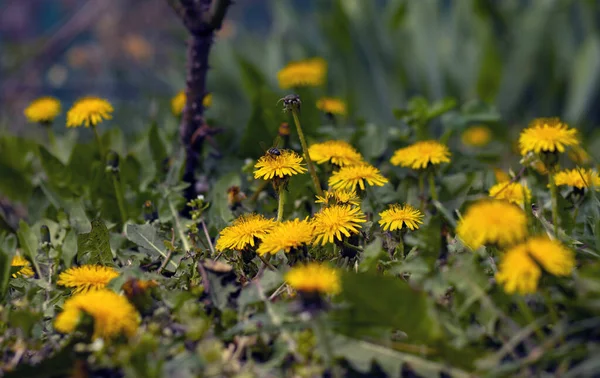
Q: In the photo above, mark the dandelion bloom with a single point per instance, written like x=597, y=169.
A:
x=476, y=136
x=20, y=261
x=287, y=163
x=304, y=73
x=547, y=135
x=89, y=111
x=332, y=105
x=339, y=197
x=500, y=175
x=314, y=278
x=337, y=152
x=492, y=222
x=286, y=236
x=87, y=277
x=578, y=177
x=337, y=221
x=398, y=216
x=178, y=102
x=349, y=177
x=113, y=315
x=511, y=192
x=244, y=232
x=43, y=110
x=520, y=266
x=421, y=154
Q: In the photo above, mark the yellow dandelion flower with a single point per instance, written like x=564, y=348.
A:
x=89, y=111
x=113, y=315
x=87, y=277
x=339, y=197
x=421, y=154
x=244, y=232
x=286, y=236
x=398, y=216
x=476, y=136
x=337, y=152
x=553, y=256
x=336, y=222
x=332, y=105
x=305, y=73
x=547, y=135
x=511, y=192
x=349, y=177
x=287, y=163
x=43, y=110
x=492, y=222
x=500, y=175
x=178, y=102
x=314, y=278
x=517, y=272
x=22, y=262
x=578, y=177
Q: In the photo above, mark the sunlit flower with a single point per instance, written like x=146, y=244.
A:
x=339, y=197
x=245, y=231
x=43, y=110
x=578, y=177
x=547, y=135
x=179, y=100
x=87, y=277
x=398, y=216
x=305, y=73
x=25, y=271
x=314, y=278
x=500, y=175
x=335, y=222
x=511, y=192
x=286, y=236
x=332, y=105
x=287, y=163
x=349, y=177
x=421, y=154
x=113, y=315
x=337, y=152
x=492, y=222
x=477, y=136
x=89, y=111
x=520, y=266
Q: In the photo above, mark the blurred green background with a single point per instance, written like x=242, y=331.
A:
x=528, y=58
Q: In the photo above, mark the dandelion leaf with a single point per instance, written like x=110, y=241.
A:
x=94, y=247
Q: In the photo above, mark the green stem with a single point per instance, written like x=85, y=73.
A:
x=352, y=246
x=526, y=311
x=399, y=251
x=422, y=190
x=120, y=198
x=321, y=333
x=432, y=190
x=281, y=204
x=266, y=262
x=309, y=163
x=554, y=195
x=184, y=240
x=99, y=141
x=51, y=137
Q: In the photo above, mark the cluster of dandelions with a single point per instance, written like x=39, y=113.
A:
x=87, y=111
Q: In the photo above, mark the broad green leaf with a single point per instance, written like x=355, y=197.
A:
x=146, y=236
x=157, y=147
x=8, y=248
x=29, y=242
x=94, y=247
x=58, y=174
x=69, y=248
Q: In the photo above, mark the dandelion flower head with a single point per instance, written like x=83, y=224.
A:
x=421, y=154
x=87, y=277
x=332, y=105
x=397, y=217
x=286, y=236
x=23, y=263
x=314, y=278
x=287, y=163
x=350, y=177
x=517, y=272
x=113, y=315
x=43, y=110
x=511, y=191
x=89, y=111
x=578, y=178
x=547, y=135
x=476, y=136
x=305, y=73
x=335, y=222
x=244, y=232
x=339, y=197
x=492, y=222
x=337, y=152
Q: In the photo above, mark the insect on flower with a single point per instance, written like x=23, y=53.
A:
x=290, y=102
x=273, y=151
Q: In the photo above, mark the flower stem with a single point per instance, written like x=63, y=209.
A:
x=554, y=196
x=99, y=141
x=399, y=251
x=321, y=332
x=422, y=190
x=526, y=311
x=432, y=190
x=119, y=195
x=309, y=163
x=281, y=204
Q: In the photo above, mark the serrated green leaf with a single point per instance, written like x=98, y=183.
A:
x=94, y=247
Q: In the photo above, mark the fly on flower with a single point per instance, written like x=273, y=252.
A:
x=290, y=102
x=274, y=150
